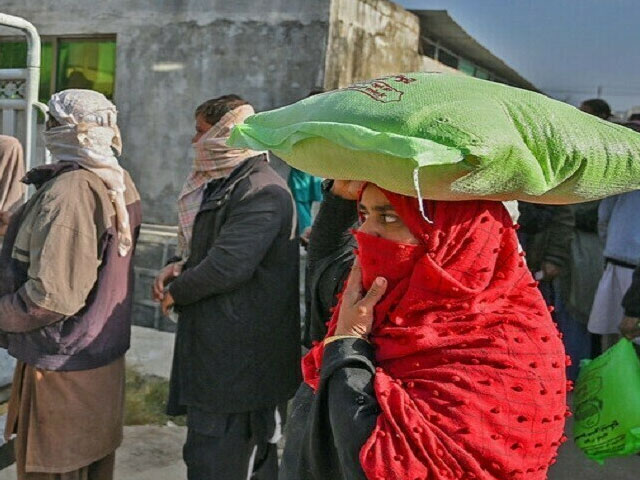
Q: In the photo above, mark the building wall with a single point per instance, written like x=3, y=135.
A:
x=368, y=39
x=174, y=54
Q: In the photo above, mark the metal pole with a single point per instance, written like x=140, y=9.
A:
x=33, y=79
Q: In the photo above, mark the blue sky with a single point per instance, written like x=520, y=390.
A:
x=567, y=48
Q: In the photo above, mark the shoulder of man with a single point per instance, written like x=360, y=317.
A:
x=78, y=199
x=264, y=182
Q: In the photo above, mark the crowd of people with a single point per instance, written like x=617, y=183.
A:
x=439, y=298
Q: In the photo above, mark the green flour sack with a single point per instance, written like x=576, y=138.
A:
x=607, y=404
x=451, y=137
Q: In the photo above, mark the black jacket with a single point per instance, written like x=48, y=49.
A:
x=327, y=429
x=329, y=261
x=238, y=338
x=546, y=234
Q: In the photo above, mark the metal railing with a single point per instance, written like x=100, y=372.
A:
x=19, y=89
x=19, y=94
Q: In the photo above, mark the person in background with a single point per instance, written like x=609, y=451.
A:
x=548, y=234
x=237, y=350
x=630, y=325
x=66, y=291
x=619, y=227
x=306, y=190
x=12, y=190
x=597, y=107
x=578, y=287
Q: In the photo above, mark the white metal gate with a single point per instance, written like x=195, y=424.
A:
x=19, y=90
x=18, y=103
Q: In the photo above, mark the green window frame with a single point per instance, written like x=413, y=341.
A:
x=67, y=62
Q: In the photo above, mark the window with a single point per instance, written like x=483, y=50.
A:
x=482, y=74
x=447, y=58
x=14, y=55
x=68, y=63
x=466, y=67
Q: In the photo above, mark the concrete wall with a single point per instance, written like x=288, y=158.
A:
x=174, y=54
x=373, y=38
x=368, y=39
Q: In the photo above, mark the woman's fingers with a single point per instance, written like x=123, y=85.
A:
x=373, y=296
x=353, y=290
x=354, y=188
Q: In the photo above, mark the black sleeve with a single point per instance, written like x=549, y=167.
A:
x=347, y=377
x=587, y=216
x=329, y=261
x=561, y=231
x=533, y=218
x=331, y=228
x=327, y=428
x=246, y=236
x=631, y=301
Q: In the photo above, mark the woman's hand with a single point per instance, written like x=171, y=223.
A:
x=630, y=327
x=356, y=312
x=347, y=189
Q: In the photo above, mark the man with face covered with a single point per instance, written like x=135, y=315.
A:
x=66, y=285
x=235, y=287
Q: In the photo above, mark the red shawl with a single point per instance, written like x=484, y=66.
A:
x=471, y=369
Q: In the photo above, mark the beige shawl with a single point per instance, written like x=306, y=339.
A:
x=214, y=159
x=88, y=135
x=11, y=172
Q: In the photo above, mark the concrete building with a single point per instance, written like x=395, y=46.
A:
x=159, y=60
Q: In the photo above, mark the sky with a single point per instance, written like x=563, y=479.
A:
x=566, y=48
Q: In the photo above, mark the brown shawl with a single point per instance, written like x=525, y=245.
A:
x=11, y=172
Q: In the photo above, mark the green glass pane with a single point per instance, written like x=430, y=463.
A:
x=14, y=55
x=466, y=67
x=482, y=74
x=87, y=64
x=46, y=63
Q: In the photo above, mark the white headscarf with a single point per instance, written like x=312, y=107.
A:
x=88, y=135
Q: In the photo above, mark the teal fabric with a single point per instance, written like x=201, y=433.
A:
x=306, y=189
x=468, y=139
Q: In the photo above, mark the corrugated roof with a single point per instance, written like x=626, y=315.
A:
x=438, y=25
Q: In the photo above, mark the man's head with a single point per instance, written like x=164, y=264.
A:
x=83, y=119
x=210, y=112
x=597, y=107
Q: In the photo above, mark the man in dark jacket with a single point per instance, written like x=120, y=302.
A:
x=237, y=351
x=547, y=234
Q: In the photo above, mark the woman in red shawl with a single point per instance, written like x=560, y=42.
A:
x=449, y=367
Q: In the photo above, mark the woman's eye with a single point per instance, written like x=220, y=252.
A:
x=390, y=218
